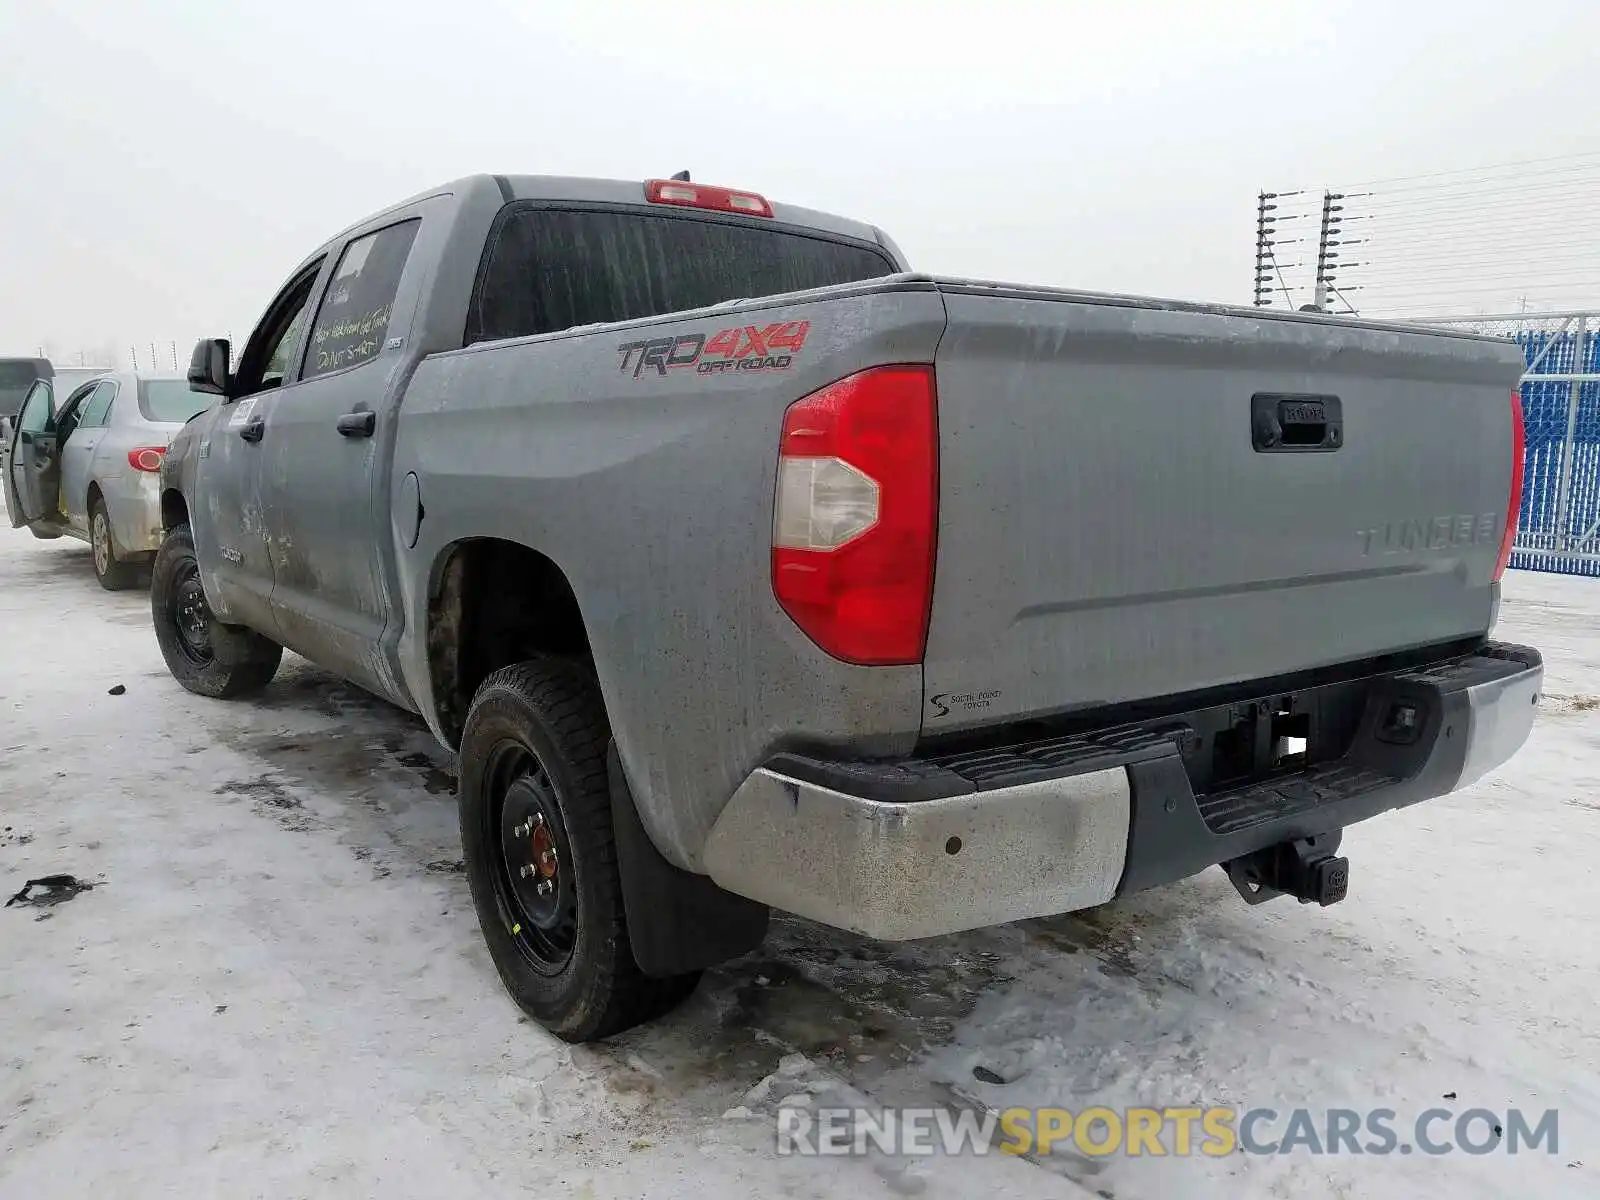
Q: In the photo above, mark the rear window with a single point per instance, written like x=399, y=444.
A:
x=170, y=400
x=551, y=269
x=16, y=377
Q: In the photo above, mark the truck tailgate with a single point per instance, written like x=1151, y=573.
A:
x=1115, y=526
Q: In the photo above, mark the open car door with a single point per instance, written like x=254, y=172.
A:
x=32, y=467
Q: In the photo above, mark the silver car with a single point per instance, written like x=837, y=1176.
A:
x=90, y=465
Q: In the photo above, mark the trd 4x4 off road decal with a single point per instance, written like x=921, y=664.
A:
x=737, y=348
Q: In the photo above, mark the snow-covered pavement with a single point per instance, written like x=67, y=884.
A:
x=276, y=987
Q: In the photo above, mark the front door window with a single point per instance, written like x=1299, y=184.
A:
x=37, y=410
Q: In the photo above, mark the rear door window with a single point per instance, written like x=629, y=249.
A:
x=354, y=314
x=96, y=411
x=38, y=410
x=549, y=269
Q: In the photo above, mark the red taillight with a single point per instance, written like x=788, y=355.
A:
x=146, y=458
x=855, y=518
x=698, y=195
x=1514, y=505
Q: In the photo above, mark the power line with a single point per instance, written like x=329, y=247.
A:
x=1577, y=189
x=1579, y=211
x=1524, y=248
x=1552, y=223
x=1525, y=162
x=1390, y=250
x=1469, y=250
x=1576, y=205
x=1561, y=177
x=1497, y=224
x=1584, y=291
x=1437, y=272
x=1446, y=279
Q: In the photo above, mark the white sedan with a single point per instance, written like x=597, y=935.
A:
x=90, y=466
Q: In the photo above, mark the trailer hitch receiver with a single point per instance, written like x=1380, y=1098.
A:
x=1307, y=869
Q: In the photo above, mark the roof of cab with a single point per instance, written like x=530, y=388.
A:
x=617, y=191
x=602, y=191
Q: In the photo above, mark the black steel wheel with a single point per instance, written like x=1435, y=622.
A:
x=537, y=897
x=541, y=856
x=203, y=654
x=190, y=615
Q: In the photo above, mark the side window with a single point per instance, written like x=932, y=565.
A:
x=37, y=410
x=271, y=350
x=97, y=409
x=354, y=315
x=281, y=354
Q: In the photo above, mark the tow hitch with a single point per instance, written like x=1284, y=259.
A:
x=1307, y=869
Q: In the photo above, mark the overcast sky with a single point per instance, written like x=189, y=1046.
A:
x=166, y=164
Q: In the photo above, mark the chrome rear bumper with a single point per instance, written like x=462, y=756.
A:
x=925, y=847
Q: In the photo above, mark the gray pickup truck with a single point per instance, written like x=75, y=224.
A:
x=745, y=569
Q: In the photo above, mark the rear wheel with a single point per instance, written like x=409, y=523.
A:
x=114, y=574
x=206, y=656
x=541, y=857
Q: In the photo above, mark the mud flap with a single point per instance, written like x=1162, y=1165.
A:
x=677, y=921
x=232, y=645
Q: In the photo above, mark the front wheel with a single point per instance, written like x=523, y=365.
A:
x=114, y=574
x=541, y=856
x=206, y=656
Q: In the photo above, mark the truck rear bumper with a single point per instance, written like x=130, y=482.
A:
x=997, y=833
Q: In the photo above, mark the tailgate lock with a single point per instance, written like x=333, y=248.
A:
x=1281, y=423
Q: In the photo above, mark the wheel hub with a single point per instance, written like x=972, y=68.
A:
x=192, y=617
x=538, y=893
x=102, y=543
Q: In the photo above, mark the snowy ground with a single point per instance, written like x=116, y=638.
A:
x=276, y=987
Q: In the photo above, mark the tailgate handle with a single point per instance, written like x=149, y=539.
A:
x=1289, y=424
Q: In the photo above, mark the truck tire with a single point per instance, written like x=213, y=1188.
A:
x=114, y=574
x=541, y=856
x=206, y=656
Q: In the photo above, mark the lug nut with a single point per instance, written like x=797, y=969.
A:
x=525, y=870
x=544, y=887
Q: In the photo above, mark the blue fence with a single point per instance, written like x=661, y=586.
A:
x=1559, y=529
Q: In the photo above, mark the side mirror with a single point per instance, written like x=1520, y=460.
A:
x=208, y=367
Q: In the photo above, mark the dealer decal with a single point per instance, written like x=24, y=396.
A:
x=737, y=348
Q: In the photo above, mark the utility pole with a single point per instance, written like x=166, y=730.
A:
x=1320, y=294
x=1264, y=230
x=1268, y=268
x=1328, y=264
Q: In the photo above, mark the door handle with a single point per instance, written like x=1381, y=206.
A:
x=360, y=423
x=254, y=430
